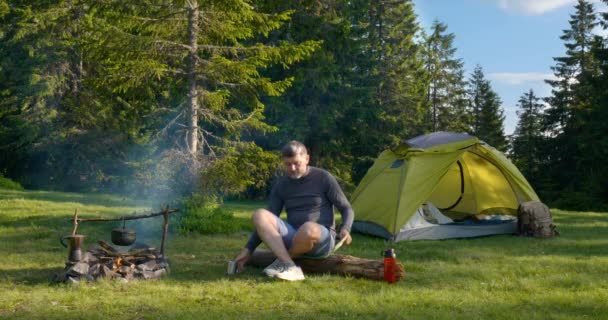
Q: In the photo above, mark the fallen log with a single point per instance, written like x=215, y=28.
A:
x=335, y=264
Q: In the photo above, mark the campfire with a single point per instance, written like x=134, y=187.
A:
x=104, y=261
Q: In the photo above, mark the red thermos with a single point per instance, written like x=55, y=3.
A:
x=390, y=265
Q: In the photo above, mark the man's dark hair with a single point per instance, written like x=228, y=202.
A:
x=293, y=148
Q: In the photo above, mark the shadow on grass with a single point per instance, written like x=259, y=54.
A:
x=573, y=218
x=30, y=276
x=86, y=199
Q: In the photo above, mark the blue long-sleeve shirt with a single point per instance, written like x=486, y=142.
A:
x=309, y=198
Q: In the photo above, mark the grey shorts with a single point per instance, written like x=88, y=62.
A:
x=322, y=249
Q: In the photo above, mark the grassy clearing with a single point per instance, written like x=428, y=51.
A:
x=501, y=277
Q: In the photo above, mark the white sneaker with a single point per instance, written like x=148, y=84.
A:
x=293, y=273
x=275, y=267
x=284, y=270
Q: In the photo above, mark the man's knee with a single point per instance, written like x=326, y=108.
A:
x=261, y=216
x=310, y=231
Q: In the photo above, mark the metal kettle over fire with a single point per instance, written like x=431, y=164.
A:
x=74, y=244
x=123, y=236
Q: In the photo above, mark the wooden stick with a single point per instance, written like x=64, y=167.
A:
x=165, y=229
x=138, y=252
x=142, y=216
x=75, y=221
x=110, y=253
x=107, y=247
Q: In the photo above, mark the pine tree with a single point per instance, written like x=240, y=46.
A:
x=316, y=109
x=487, y=114
x=404, y=80
x=44, y=92
x=363, y=90
x=528, y=137
x=570, y=103
x=90, y=77
x=573, y=70
x=592, y=140
x=447, y=90
x=390, y=78
x=203, y=52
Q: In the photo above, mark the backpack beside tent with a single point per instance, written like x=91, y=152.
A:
x=534, y=219
x=451, y=175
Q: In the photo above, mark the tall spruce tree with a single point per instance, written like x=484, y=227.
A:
x=571, y=100
x=574, y=70
x=593, y=142
x=101, y=76
x=390, y=77
x=205, y=49
x=447, y=90
x=404, y=81
x=51, y=106
x=363, y=90
x=487, y=114
x=528, y=136
x=317, y=108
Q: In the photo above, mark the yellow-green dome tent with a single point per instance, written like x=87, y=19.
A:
x=455, y=172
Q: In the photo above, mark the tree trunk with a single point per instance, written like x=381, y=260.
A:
x=192, y=133
x=76, y=52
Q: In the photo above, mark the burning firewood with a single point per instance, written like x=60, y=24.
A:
x=107, y=262
x=107, y=247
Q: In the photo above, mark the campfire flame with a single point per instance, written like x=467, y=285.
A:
x=117, y=263
x=120, y=261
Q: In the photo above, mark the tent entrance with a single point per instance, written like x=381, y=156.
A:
x=473, y=185
x=461, y=188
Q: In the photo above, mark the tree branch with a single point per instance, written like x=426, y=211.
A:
x=176, y=44
x=227, y=48
x=163, y=131
x=158, y=19
x=231, y=85
x=246, y=118
x=204, y=141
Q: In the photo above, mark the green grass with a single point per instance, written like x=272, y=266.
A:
x=500, y=277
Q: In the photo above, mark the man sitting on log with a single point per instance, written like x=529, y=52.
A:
x=308, y=195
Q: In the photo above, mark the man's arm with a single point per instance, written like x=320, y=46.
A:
x=339, y=200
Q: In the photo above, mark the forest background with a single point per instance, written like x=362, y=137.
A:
x=164, y=99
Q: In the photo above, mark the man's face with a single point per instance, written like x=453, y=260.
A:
x=297, y=166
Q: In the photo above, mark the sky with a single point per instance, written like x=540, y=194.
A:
x=514, y=41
